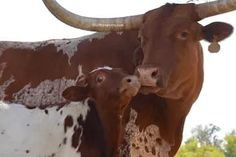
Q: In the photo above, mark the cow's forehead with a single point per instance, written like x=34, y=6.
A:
x=170, y=12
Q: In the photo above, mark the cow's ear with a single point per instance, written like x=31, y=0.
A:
x=76, y=93
x=216, y=31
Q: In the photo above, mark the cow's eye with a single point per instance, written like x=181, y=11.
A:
x=100, y=78
x=183, y=35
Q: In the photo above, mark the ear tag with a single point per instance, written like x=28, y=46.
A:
x=214, y=47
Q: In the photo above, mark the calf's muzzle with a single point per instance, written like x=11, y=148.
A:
x=130, y=85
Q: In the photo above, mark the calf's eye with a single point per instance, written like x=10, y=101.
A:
x=100, y=78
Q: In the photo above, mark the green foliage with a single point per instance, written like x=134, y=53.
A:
x=192, y=148
x=230, y=144
x=205, y=143
x=210, y=151
x=189, y=149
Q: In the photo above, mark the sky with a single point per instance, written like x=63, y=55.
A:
x=29, y=20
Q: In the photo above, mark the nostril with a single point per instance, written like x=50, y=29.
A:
x=154, y=74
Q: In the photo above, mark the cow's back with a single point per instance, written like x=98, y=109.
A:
x=36, y=73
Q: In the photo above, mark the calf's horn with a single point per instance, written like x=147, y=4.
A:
x=93, y=24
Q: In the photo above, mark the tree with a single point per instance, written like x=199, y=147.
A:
x=189, y=149
x=207, y=135
x=203, y=143
x=230, y=144
x=210, y=151
x=192, y=148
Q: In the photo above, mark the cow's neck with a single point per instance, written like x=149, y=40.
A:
x=178, y=109
x=191, y=87
x=113, y=127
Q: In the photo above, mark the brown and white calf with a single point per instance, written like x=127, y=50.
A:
x=89, y=129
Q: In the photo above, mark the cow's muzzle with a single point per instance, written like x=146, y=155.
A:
x=150, y=76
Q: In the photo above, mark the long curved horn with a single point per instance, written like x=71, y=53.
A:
x=214, y=8
x=92, y=24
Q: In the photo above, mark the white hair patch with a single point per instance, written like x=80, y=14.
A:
x=147, y=142
x=47, y=92
x=4, y=86
x=84, y=109
x=67, y=46
x=3, y=106
x=119, y=33
x=101, y=68
x=2, y=67
x=4, y=45
x=70, y=46
x=41, y=133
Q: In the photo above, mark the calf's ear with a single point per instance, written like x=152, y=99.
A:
x=216, y=31
x=75, y=93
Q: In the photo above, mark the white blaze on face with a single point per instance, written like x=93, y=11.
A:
x=146, y=142
x=39, y=133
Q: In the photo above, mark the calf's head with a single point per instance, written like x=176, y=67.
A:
x=112, y=90
x=172, y=53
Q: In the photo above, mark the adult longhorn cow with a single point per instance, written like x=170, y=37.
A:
x=168, y=62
